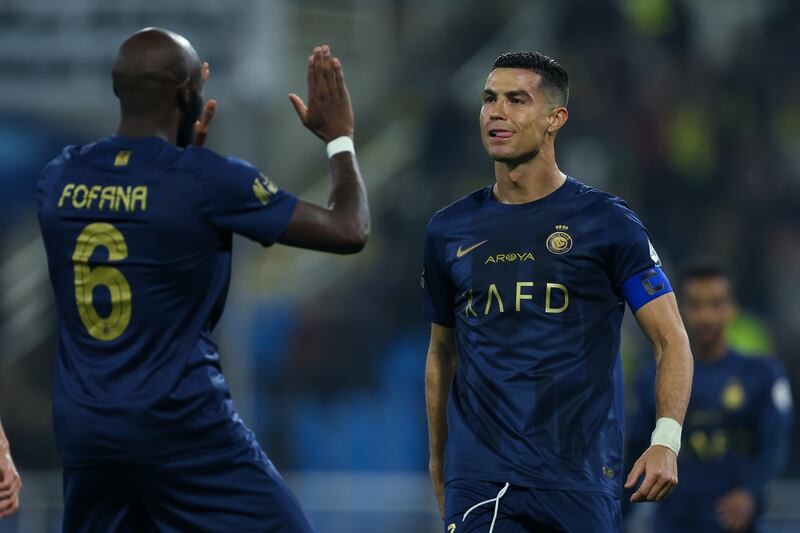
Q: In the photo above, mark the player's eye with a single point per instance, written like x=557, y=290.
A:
x=487, y=98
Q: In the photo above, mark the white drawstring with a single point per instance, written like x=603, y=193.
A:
x=496, y=501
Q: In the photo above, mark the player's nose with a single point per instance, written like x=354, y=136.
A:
x=496, y=111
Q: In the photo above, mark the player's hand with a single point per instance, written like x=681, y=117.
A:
x=437, y=477
x=329, y=113
x=736, y=509
x=659, y=465
x=10, y=483
x=201, y=126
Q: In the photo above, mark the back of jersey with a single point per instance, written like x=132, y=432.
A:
x=138, y=239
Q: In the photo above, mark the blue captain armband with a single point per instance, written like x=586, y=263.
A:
x=645, y=287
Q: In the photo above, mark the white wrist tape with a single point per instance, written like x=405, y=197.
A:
x=667, y=433
x=339, y=145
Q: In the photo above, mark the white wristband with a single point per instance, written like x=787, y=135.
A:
x=339, y=145
x=667, y=433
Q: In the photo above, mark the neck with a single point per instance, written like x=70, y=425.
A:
x=519, y=183
x=711, y=352
x=165, y=128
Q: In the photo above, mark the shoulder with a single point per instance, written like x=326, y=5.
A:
x=610, y=205
x=214, y=164
x=224, y=177
x=456, y=211
x=770, y=380
x=69, y=157
x=68, y=154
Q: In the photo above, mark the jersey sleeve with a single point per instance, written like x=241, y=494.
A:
x=437, y=287
x=242, y=200
x=633, y=264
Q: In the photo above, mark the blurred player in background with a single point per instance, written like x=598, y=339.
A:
x=10, y=482
x=138, y=229
x=525, y=285
x=737, y=425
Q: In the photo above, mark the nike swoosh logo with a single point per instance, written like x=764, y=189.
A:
x=462, y=253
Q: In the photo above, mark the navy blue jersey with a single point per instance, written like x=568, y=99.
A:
x=735, y=434
x=535, y=293
x=138, y=236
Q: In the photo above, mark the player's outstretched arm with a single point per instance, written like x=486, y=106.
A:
x=661, y=322
x=440, y=367
x=10, y=482
x=343, y=226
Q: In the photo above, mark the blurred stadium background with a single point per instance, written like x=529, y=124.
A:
x=689, y=109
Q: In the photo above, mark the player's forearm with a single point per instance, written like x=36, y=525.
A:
x=674, y=376
x=439, y=371
x=348, y=201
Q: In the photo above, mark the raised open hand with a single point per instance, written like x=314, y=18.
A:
x=329, y=113
x=201, y=126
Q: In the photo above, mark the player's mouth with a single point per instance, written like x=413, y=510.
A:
x=499, y=135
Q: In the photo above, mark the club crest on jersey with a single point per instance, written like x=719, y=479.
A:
x=264, y=189
x=733, y=395
x=559, y=242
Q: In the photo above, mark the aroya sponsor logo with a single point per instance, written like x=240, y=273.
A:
x=510, y=257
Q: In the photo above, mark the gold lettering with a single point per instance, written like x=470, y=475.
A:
x=107, y=195
x=125, y=196
x=549, y=308
x=78, y=204
x=110, y=197
x=493, y=292
x=92, y=195
x=520, y=296
x=468, y=309
x=510, y=257
x=140, y=194
x=65, y=193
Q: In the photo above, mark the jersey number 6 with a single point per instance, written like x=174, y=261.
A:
x=86, y=279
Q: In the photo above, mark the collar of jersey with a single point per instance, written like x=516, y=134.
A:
x=492, y=202
x=124, y=140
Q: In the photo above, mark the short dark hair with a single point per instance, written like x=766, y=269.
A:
x=702, y=268
x=555, y=80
